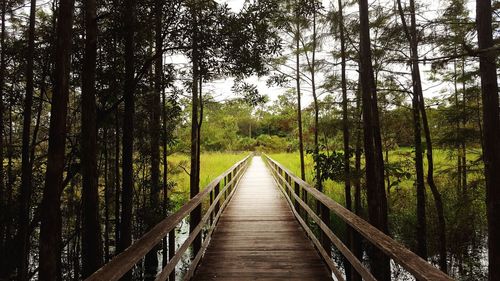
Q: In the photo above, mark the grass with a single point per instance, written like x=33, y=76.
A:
x=212, y=165
x=444, y=165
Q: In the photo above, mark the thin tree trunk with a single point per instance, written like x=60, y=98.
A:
x=107, y=196
x=377, y=201
x=491, y=126
x=411, y=35
x=129, y=7
x=350, y=271
x=3, y=206
x=299, y=106
x=116, y=181
x=457, y=126
x=50, y=229
x=357, y=246
x=26, y=167
x=195, y=216
x=463, y=145
x=151, y=261
x=430, y=162
x=91, y=230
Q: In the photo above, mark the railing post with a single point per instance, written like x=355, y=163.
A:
x=211, y=202
x=289, y=181
x=217, y=204
x=304, y=198
x=297, y=192
x=230, y=177
x=325, y=217
x=225, y=183
x=171, y=252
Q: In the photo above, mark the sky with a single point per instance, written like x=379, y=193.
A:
x=221, y=89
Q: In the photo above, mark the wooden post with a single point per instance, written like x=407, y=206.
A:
x=229, y=178
x=171, y=251
x=217, y=204
x=304, y=198
x=211, y=202
x=297, y=192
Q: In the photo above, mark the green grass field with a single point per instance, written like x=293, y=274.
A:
x=445, y=162
x=212, y=165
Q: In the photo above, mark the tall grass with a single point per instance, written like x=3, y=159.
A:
x=211, y=166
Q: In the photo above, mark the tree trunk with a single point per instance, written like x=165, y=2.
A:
x=430, y=164
x=377, y=201
x=128, y=129
x=463, y=145
x=491, y=127
x=107, y=197
x=411, y=34
x=116, y=181
x=3, y=206
x=194, y=172
x=91, y=230
x=299, y=106
x=26, y=167
x=351, y=273
x=357, y=246
x=151, y=262
x=50, y=229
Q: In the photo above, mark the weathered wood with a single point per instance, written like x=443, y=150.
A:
x=316, y=242
x=360, y=268
x=421, y=269
x=219, y=211
x=258, y=238
x=122, y=263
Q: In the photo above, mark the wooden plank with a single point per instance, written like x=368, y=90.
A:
x=258, y=238
x=360, y=268
x=123, y=262
x=319, y=247
x=421, y=269
x=165, y=273
x=219, y=211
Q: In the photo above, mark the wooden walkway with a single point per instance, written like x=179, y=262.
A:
x=258, y=238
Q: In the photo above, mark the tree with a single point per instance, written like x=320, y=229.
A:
x=151, y=262
x=2, y=126
x=91, y=229
x=377, y=201
x=50, y=229
x=411, y=35
x=27, y=170
x=129, y=13
x=491, y=121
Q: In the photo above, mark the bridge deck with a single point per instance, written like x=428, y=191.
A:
x=258, y=238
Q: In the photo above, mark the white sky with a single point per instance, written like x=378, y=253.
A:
x=221, y=89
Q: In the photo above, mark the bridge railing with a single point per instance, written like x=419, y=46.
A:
x=218, y=192
x=297, y=192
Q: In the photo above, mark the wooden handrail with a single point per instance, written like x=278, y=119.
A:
x=418, y=267
x=126, y=260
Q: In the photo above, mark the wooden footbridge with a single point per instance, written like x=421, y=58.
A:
x=258, y=224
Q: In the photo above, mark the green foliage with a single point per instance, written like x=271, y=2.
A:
x=331, y=165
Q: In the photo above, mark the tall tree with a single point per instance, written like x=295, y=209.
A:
x=129, y=13
x=151, y=262
x=26, y=169
x=2, y=126
x=377, y=200
x=299, y=97
x=491, y=121
x=411, y=35
x=195, y=129
x=50, y=228
x=91, y=230
x=350, y=271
